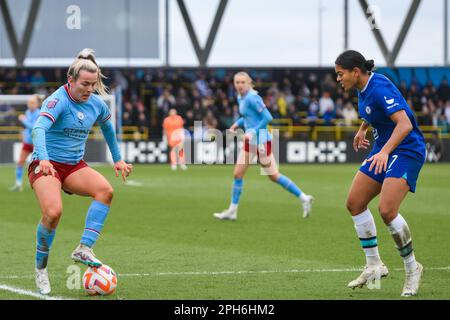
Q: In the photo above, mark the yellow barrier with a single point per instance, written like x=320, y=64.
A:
x=132, y=133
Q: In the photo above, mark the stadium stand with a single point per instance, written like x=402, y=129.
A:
x=305, y=103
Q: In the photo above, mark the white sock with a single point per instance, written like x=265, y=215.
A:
x=303, y=197
x=367, y=234
x=402, y=237
x=233, y=206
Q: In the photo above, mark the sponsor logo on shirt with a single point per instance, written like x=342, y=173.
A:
x=391, y=103
x=52, y=103
x=76, y=133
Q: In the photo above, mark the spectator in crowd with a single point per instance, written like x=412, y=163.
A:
x=313, y=113
x=326, y=104
x=349, y=113
x=189, y=121
x=329, y=116
x=415, y=98
x=425, y=118
x=443, y=92
x=37, y=79
x=202, y=85
x=164, y=102
x=435, y=148
x=155, y=91
x=226, y=120
x=447, y=112
x=183, y=102
x=293, y=115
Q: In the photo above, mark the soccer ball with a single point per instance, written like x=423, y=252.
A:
x=100, y=281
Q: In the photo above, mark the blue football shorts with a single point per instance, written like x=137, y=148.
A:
x=399, y=166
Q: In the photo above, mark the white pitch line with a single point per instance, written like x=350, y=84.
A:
x=214, y=273
x=29, y=293
x=195, y=273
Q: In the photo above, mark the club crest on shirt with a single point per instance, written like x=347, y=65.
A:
x=368, y=110
x=52, y=103
x=36, y=171
x=80, y=115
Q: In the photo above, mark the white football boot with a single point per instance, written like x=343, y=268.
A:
x=16, y=188
x=173, y=167
x=369, y=274
x=228, y=214
x=412, y=281
x=307, y=206
x=183, y=167
x=42, y=281
x=86, y=256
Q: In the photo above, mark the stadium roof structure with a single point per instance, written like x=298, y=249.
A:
x=20, y=49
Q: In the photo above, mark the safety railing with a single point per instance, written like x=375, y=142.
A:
x=315, y=132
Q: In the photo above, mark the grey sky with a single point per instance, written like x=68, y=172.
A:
x=285, y=32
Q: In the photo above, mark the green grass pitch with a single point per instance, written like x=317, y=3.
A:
x=164, y=243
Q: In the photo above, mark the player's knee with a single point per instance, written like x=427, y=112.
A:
x=105, y=194
x=238, y=175
x=273, y=177
x=354, y=206
x=52, y=215
x=387, y=212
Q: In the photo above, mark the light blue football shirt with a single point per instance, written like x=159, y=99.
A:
x=253, y=111
x=72, y=122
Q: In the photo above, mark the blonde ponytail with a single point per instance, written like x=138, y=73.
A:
x=86, y=61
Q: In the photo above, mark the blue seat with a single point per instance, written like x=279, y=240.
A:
x=421, y=76
x=405, y=74
x=438, y=74
x=390, y=73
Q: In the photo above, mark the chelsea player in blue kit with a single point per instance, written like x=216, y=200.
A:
x=59, y=137
x=391, y=170
x=257, y=140
x=28, y=119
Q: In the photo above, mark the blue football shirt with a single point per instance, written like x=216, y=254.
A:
x=377, y=102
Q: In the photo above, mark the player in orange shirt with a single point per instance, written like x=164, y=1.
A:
x=174, y=132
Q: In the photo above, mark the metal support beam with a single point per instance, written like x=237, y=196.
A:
x=404, y=31
x=202, y=54
x=390, y=56
x=320, y=32
x=167, y=34
x=376, y=32
x=20, y=50
x=345, y=25
x=446, y=32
